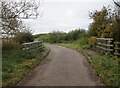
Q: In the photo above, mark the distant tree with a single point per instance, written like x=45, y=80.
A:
x=43, y=37
x=61, y=37
x=56, y=37
x=75, y=35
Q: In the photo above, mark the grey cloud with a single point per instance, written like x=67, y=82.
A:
x=64, y=15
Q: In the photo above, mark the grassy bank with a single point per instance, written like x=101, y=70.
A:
x=17, y=63
x=106, y=67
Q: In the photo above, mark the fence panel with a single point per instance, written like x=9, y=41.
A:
x=105, y=45
x=33, y=45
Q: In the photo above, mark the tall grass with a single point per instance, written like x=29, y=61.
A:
x=16, y=64
x=10, y=45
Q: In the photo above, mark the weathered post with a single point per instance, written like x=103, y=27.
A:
x=117, y=48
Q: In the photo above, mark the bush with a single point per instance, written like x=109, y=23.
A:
x=56, y=37
x=92, y=42
x=10, y=45
x=23, y=37
x=82, y=41
x=42, y=37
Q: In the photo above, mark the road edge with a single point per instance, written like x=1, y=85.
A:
x=29, y=73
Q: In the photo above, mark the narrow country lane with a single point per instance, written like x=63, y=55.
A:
x=62, y=67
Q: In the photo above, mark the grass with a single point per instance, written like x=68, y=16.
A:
x=17, y=63
x=46, y=48
x=74, y=46
x=107, y=67
x=11, y=45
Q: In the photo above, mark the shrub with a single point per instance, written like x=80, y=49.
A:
x=23, y=37
x=92, y=42
x=82, y=41
x=10, y=45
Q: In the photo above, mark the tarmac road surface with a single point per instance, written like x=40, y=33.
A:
x=62, y=67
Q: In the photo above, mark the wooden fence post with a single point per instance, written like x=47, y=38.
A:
x=117, y=48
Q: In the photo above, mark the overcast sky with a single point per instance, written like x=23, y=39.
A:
x=65, y=15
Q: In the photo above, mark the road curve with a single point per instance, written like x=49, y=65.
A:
x=62, y=67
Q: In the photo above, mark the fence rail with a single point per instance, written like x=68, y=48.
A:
x=104, y=45
x=107, y=46
x=33, y=45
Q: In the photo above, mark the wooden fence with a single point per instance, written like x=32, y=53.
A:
x=105, y=45
x=33, y=45
x=117, y=48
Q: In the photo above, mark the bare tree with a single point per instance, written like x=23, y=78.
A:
x=117, y=3
x=117, y=8
x=11, y=14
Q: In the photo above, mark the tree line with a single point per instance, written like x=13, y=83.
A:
x=106, y=24
x=62, y=37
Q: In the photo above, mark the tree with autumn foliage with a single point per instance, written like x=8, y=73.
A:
x=101, y=23
x=105, y=24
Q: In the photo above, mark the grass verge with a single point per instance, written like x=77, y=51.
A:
x=17, y=63
x=107, y=69
x=74, y=46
